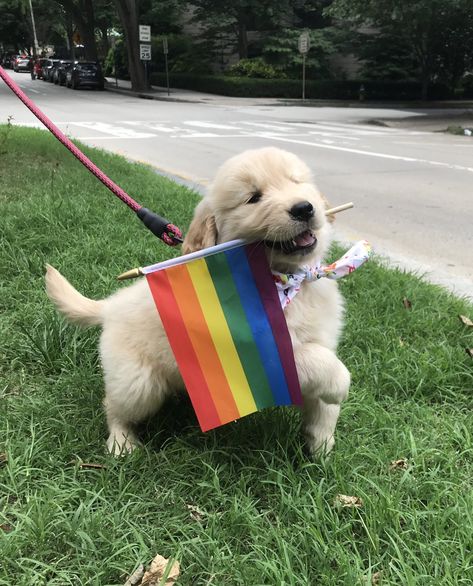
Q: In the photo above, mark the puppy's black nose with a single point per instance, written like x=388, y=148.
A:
x=303, y=210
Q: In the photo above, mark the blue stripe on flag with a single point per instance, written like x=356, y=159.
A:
x=259, y=324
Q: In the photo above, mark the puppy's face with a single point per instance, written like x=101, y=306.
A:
x=265, y=195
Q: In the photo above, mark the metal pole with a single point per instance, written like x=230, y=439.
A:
x=146, y=75
x=36, y=46
x=303, y=77
x=167, y=70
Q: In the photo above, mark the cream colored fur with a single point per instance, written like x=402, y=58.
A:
x=139, y=367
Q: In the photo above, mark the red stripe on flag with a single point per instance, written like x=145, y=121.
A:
x=181, y=345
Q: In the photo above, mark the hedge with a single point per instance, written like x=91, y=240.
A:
x=291, y=88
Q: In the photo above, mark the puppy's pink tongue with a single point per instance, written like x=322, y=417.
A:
x=305, y=239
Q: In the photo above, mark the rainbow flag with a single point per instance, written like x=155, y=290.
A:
x=223, y=318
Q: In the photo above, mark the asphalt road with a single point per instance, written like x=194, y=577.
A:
x=412, y=189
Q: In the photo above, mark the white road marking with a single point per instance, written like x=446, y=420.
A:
x=209, y=125
x=34, y=91
x=111, y=129
x=370, y=154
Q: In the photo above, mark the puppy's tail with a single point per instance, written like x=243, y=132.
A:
x=70, y=302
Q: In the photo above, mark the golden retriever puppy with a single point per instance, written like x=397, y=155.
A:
x=260, y=195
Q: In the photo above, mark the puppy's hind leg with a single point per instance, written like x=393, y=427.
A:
x=132, y=394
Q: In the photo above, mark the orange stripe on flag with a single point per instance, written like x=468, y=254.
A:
x=202, y=342
x=184, y=352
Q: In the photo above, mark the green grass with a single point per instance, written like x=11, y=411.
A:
x=267, y=513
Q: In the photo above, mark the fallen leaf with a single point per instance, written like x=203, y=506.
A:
x=348, y=501
x=157, y=571
x=407, y=304
x=469, y=351
x=400, y=464
x=466, y=321
x=135, y=578
x=6, y=527
x=3, y=458
x=195, y=513
x=376, y=578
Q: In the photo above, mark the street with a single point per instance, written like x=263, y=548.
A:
x=412, y=189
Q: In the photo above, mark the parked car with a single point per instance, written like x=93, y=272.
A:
x=23, y=63
x=37, y=71
x=59, y=71
x=47, y=67
x=7, y=60
x=85, y=73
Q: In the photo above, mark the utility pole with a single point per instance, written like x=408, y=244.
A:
x=35, y=38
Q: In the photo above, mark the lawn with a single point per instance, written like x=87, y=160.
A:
x=243, y=504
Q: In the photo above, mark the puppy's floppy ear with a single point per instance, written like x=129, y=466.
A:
x=202, y=231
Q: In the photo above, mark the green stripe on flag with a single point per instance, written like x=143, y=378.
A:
x=240, y=330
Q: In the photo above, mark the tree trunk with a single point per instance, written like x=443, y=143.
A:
x=128, y=12
x=89, y=32
x=242, y=40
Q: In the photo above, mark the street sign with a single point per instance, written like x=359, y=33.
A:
x=145, y=33
x=165, y=46
x=145, y=52
x=304, y=43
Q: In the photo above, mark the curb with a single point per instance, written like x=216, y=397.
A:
x=147, y=96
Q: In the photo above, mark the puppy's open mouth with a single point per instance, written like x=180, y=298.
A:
x=304, y=242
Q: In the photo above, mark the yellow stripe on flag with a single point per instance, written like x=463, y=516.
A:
x=221, y=336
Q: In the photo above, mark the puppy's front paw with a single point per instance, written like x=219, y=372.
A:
x=120, y=444
x=319, y=445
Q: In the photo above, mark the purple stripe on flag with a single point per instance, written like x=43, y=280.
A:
x=269, y=296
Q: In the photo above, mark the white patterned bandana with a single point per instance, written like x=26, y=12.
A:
x=288, y=285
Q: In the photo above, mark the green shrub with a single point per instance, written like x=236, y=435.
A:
x=116, y=61
x=292, y=88
x=254, y=68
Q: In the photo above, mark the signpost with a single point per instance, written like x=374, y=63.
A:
x=145, y=33
x=145, y=47
x=303, y=46
x=166, y=51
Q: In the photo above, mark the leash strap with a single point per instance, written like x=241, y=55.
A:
x=159, y=226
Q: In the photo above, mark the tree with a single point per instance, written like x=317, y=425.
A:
x=14, y=31
x=82, y=12
x=238, y=17
x=128, y=12
x=436, y=33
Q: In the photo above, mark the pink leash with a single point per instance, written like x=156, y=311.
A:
x=160, y=227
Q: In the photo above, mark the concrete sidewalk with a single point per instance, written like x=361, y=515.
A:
x=432, y=116
x=123, y=86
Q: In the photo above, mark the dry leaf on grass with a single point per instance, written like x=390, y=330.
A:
x=157, y=571
x=407, y=304
x=400, y=464
x=3, y=458
x=6, y=527
x=348, y=501
x=469, y=351
x=466, y=321
x=195, y=513
x=135, y=578
x=376, y=579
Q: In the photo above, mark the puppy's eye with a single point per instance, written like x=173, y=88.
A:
x=255, y=197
